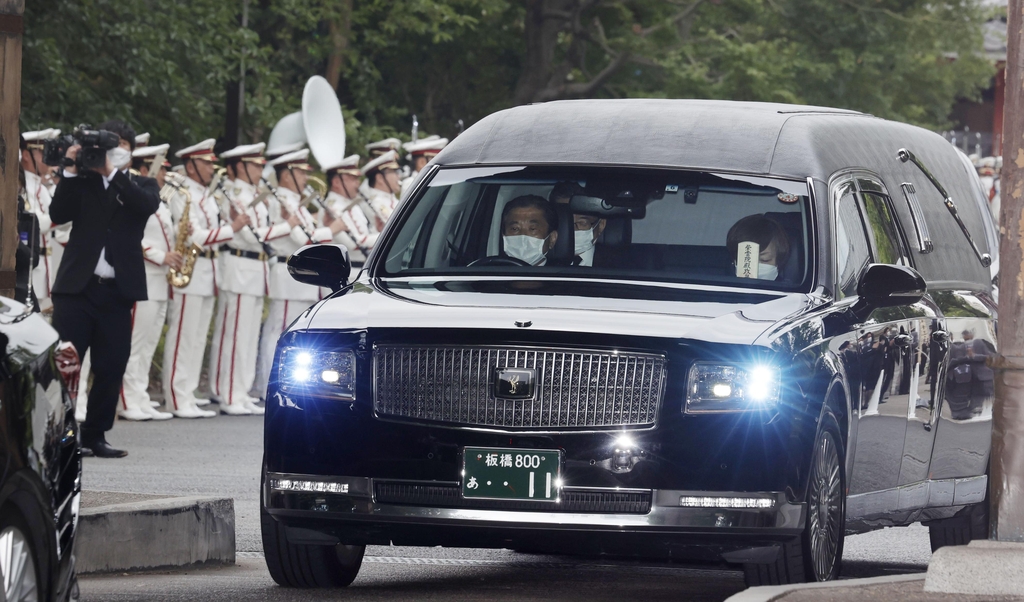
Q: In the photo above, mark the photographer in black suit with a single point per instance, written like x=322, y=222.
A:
x=102, y=274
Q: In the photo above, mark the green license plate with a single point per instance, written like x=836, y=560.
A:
x=511, y=474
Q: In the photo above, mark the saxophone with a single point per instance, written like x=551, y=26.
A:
x=189, y=251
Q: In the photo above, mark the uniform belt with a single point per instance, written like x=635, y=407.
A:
x=280, y=259
x=246, y=254
x=208, y=253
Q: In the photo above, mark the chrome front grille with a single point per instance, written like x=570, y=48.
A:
x=573, y=388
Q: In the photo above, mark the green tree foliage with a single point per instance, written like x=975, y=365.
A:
x=166, y=65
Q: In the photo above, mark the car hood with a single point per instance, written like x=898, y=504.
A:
x=631, y=309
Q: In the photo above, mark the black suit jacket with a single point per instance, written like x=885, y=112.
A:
x=114, y=218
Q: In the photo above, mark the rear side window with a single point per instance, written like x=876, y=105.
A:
x=852, y=250
x=885, y=239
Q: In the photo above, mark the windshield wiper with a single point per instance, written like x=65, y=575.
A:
x=905, y=155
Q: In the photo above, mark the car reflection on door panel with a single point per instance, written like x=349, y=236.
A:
x=965, y=422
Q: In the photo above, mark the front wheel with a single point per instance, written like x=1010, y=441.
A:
x=307, y=566
x=816, y=555
x=19, y=573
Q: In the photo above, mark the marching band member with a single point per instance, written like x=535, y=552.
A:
x=422, y=151
x=243, y=285
x=148, y=316
x=378, y=148
x=360, y=233
x=38, y=197
x=191, y=307
x=288, y=297
x=382, y=185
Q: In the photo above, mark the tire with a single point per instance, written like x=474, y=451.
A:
x=816, y=554
x=19, y=559
x=307, y=566
x=960, y=529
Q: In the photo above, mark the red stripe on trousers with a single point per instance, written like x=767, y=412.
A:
x=124, y=402
x=177, y=347
x=220, y=350
x=234, y=344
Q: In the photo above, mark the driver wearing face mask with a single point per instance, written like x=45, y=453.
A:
x=770, y=240
x=529, y=229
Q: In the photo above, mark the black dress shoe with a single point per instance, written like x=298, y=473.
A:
x=102, y=449
x=86, y=452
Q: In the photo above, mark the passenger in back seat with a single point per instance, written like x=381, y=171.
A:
x=587, y=228
x=773, y=244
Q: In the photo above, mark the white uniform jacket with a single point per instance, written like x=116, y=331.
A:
x=361, y=236
x=282, y=285
x=382, y=202
x=209, y=231
x=157, y=239
x=249, y=275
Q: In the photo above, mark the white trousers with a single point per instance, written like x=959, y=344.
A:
x=189, y=321
x=236, y=334
x=83, y=387
x=282, y=313
x=147, y=325
x=41, y=280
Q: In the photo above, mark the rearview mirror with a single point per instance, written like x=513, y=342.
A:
x=592, y=205
x=324, y=265
x=885, y=285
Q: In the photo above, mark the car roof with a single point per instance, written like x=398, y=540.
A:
x=781, y=140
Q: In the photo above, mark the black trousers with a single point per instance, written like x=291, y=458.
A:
x=98, y=319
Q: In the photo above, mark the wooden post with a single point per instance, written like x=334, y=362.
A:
x=1006, y=485
x=11, y=28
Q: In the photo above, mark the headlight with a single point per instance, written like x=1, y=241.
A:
x=728, y=388
x=330, y=373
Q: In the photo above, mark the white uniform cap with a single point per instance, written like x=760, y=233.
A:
x=987, y=162
x=203, y=150
x=142, y=139
x=40, y=136
x=388, y=160
x=150, y=151
x=428, y=147
x=298, y=160
x=383, y=146
x=349, y=165
x=284, y=149
x=252, y=153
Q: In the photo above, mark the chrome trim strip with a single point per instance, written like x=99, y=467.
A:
x=941, y=493
x=665, y=511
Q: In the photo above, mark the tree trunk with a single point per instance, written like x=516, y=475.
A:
x=1007, y=465
x=541, y=37
x=11, y=28
x=340, y=28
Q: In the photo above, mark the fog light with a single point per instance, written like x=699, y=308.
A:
x=738, y=503
x=308, y=486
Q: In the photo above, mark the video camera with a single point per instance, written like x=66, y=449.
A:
x=94, y=143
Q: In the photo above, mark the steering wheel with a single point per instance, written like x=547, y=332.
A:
x=498, y=260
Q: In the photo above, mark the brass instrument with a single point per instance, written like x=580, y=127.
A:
x=316, y=192
x=188, y=250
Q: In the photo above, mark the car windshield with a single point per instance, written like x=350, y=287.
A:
x=608, y=223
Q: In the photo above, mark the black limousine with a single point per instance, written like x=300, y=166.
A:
x=40, y=459
x=686, y=329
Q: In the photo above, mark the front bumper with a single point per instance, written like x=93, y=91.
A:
x=346, y=510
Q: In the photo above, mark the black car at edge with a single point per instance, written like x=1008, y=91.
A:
x=683, y=329
x=40, y=459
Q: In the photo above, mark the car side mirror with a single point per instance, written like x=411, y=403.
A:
x=886, y=285
x=324, y=265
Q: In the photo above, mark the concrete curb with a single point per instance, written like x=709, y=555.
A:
x=767, y=593
x=982, y=567
x=156, y=533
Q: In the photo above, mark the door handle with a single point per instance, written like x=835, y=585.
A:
x=902, y=340
x=940, y=336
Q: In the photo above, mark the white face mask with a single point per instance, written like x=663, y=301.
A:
x=119, y=157
x=767, y=271
x=584, y=241
x=527, y=248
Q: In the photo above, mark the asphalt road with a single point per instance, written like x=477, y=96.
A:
x=222, y=457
